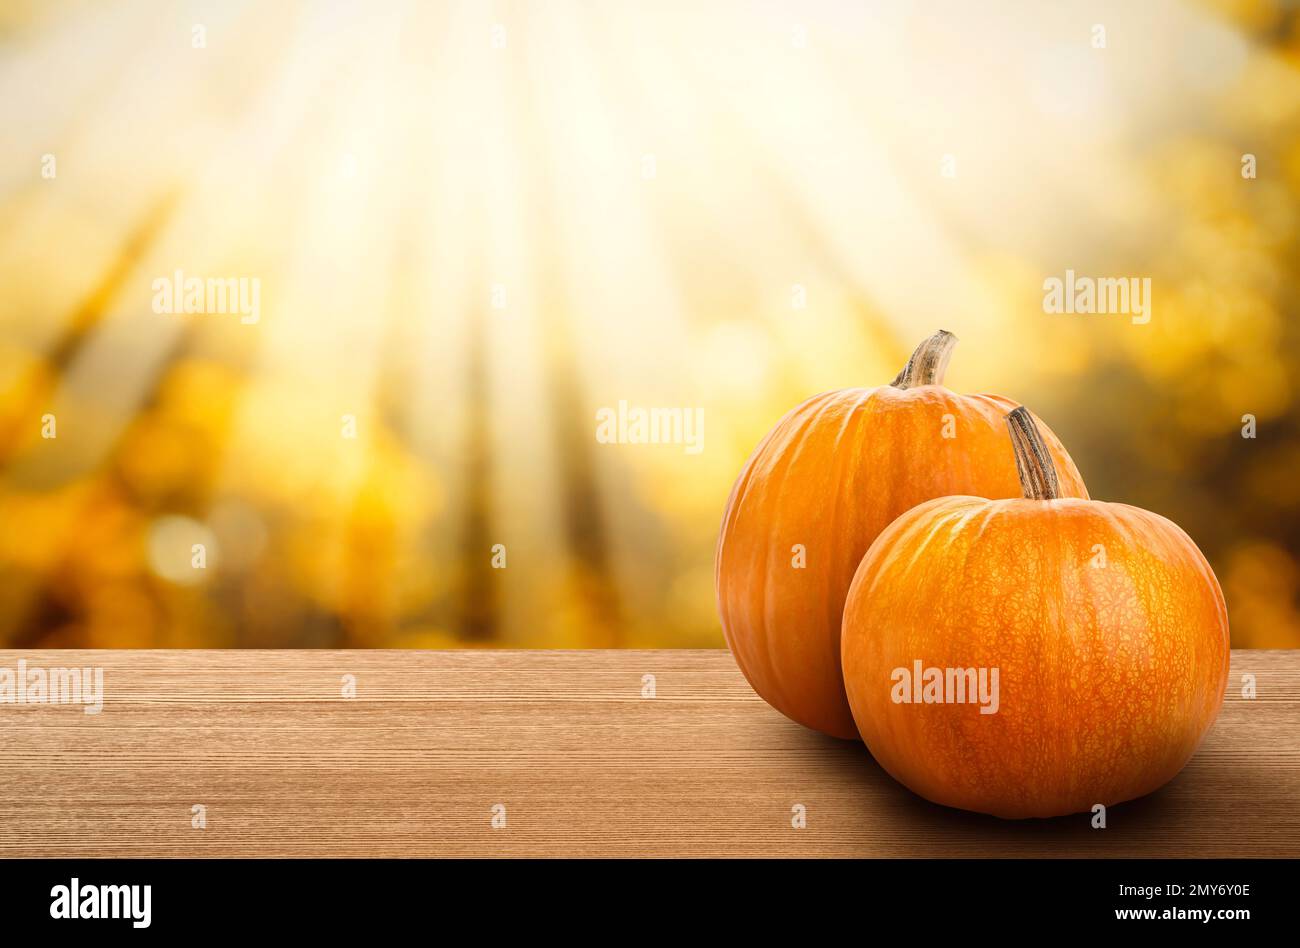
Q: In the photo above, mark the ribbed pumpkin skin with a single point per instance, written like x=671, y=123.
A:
x=830, y=476
x=1109, y=675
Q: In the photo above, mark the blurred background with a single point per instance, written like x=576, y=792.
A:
x=474, y=225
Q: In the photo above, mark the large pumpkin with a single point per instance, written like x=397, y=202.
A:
x=1034, y=657
x=817, y=491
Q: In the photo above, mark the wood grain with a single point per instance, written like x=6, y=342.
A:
x=585, y=765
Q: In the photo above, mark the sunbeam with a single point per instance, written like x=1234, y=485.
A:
x=448, y=236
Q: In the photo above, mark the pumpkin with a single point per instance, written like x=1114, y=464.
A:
x=814, y=495
x=1033, y=657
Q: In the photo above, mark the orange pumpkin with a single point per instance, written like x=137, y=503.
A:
x=818, y=490
x=1096, y=632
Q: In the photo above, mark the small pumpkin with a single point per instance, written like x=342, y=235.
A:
x=1104, y=624
x=817, y=491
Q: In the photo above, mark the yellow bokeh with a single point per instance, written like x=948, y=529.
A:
x=450, y=235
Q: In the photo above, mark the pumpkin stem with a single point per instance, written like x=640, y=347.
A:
x=1033, y=461
x=928, y=363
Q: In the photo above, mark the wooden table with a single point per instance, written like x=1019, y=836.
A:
x=583, y=760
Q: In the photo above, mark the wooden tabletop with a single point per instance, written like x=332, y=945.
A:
x=575, y=750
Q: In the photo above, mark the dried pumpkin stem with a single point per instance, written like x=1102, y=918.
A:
x=928, y=363
x=1038, y=479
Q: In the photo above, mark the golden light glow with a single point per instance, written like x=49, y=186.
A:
x=473, y=225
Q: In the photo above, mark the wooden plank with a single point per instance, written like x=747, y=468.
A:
x=584, y=764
